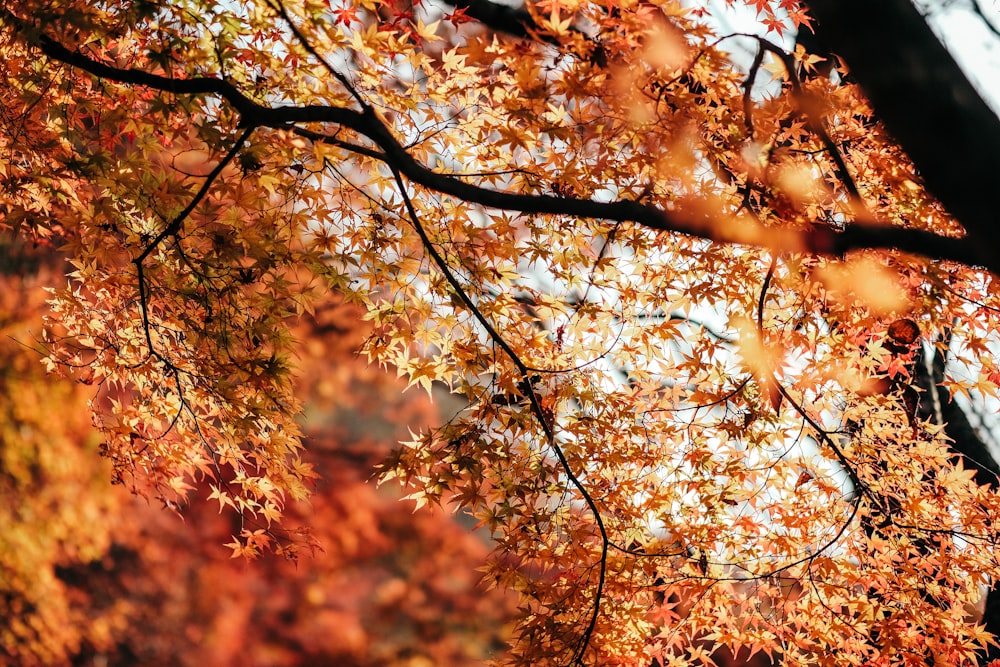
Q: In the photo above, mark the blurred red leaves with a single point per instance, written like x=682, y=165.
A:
x=91, y=575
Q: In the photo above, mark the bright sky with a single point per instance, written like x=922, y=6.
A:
x=971, y=40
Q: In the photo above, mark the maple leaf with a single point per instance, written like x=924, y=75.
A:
x=458, y=16
x=346, y=15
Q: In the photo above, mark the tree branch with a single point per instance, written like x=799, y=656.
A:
x=696, y=221
x=978, y=11
x=514, y=21
x=536, y=409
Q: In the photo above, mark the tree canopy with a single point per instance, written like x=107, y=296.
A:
x=707, y=315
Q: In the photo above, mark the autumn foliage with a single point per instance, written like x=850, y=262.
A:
x=684, y=299
x=83, y=565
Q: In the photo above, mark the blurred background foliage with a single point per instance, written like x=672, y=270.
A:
x=90, y=575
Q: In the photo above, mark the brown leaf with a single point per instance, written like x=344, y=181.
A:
x=904, y=331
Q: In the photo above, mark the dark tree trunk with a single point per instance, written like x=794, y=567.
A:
x=926, y=103
x=936, y=405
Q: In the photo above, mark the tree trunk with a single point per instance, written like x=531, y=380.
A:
x=936, y=405
x=926, y=103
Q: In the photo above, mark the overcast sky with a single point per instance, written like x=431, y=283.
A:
x=962, y=26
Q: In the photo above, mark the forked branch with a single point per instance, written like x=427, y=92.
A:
x=536, y=409
x=691, y=221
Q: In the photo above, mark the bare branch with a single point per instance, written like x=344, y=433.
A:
x=536, y=409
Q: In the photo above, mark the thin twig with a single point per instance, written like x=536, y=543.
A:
x=533, y=399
